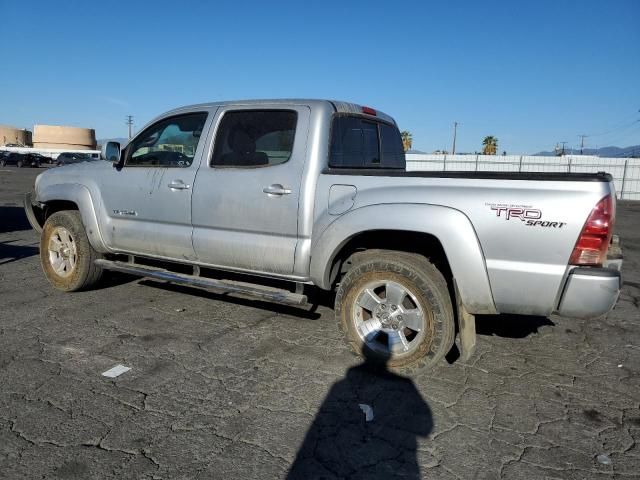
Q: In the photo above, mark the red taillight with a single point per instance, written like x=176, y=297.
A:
x=593, y=243
x=369, y=111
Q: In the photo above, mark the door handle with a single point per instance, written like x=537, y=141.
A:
x=179, y=185
x=276, y=189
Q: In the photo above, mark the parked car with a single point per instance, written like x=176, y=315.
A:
x=316, y=192
x=20, y=159
x=40, y=159
x=68, y=158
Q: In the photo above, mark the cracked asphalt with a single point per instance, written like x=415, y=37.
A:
x=230, y=388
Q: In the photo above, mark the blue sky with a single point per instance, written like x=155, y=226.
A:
x=531, y=73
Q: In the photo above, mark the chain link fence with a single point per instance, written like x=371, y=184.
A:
x=625, y=171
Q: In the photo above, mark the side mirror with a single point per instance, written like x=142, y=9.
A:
x=111, y=152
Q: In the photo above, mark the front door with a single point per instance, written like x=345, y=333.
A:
x=147, y=203
x=246, y=195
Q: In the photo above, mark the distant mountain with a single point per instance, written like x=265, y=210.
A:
x=633, y=151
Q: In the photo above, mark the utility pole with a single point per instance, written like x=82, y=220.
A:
x=582, y=137
x=129, y=123
x=563, y=144
x=455, y=130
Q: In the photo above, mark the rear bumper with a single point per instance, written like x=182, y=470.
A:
x=590, y=292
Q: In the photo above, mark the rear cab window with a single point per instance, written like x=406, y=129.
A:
x=359, y=142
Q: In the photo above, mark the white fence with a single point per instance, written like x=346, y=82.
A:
x=625, y=171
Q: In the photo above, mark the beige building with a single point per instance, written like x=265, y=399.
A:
x=19, y=136
x=70, y=138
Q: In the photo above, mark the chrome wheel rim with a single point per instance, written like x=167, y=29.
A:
x=389, y=318
x=63, y=252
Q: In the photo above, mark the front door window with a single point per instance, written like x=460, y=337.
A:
x=172, y=142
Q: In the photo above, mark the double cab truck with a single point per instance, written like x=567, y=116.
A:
x=316, y=193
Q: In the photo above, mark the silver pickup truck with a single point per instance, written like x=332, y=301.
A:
x=316, y=192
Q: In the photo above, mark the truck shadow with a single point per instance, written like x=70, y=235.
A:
x=344, y=441
x=505, y=326
x=510, y=326
x=13, y=219
x=10, y=253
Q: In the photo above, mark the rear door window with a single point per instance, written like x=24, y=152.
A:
x=362, y=143
x=254, y=138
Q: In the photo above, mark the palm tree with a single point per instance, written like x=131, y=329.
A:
x=490, y=145
x=407, y=140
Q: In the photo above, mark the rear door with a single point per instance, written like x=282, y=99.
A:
x=246, y=196
x=147, y=203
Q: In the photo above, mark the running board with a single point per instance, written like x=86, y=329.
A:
x=220, y=286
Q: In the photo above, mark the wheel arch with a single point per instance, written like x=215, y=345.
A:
x=55, y=198
x=444, y=235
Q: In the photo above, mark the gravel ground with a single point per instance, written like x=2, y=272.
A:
x=230, y=388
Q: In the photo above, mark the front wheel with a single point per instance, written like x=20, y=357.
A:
x=3, y=163
x=19, y=164
x=395, y=308
x=67, y=257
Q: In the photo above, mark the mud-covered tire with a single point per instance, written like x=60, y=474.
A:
x=67, y=257
x=426, y=292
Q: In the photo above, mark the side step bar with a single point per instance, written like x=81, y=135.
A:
x=220, y=286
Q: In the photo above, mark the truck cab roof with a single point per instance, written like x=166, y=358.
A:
x=336, y=106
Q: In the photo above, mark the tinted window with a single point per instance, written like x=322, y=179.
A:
x=362, y=143
x=391, y=146
x=254, y=138
x=172, y=142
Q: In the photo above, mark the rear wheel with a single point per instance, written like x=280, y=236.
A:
x=67, y=257
x=394, y=307
x=3, y=163
x=19, y=164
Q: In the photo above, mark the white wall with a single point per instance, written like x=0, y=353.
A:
x=625, y=171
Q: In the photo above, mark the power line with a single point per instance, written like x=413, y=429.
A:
x=617, y=127
x=629, y=135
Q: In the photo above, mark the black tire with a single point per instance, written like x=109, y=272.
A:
x=3, y=163
x=84, y=273
x=19, y=164
x=426, y=291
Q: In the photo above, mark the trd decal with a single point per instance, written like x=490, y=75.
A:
x=532, y=217
x=517, y=212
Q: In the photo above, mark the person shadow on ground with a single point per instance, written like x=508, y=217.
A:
x=341, y=443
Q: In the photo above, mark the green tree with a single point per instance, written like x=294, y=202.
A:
x=489, y=145
x=407, y=140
